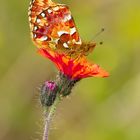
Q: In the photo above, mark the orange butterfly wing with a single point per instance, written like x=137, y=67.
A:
x=52, y=26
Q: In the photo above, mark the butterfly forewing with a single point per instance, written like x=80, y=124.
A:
x=52, y=26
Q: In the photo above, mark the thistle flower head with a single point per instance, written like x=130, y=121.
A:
x=50, y=85
x=48, y=93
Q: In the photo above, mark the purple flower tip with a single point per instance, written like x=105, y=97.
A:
x=50, y=85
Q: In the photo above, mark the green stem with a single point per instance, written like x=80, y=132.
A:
x=63, y=88
x=49, y=116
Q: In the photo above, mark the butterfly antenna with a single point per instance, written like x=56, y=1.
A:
x=101, y=43
x=97, y=34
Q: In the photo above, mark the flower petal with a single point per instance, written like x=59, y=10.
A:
x=74, y=68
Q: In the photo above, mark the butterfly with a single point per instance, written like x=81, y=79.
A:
x=52, y=27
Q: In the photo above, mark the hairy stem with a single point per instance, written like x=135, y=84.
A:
x=51, y=94
x=49, y=116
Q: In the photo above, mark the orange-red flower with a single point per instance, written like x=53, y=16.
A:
x=74, y=68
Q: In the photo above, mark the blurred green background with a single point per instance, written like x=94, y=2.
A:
x=98, y=109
